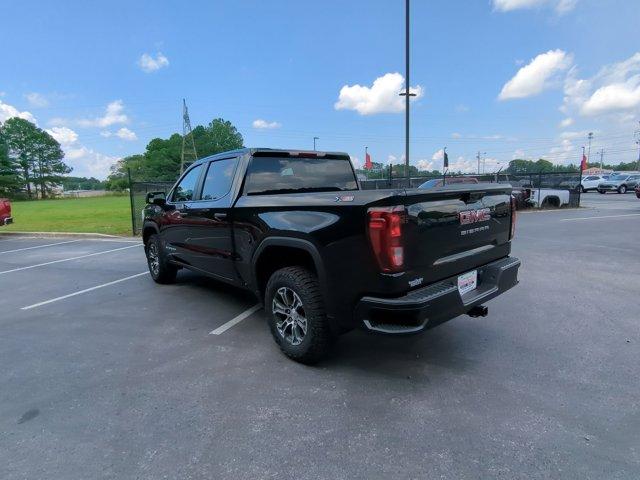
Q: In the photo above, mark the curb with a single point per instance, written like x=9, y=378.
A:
x=67, y=235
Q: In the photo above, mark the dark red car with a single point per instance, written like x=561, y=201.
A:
x=5, y=211
x=638, y=190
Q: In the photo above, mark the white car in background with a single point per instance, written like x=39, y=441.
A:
x=591, y=182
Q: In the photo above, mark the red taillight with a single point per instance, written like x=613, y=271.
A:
x=385, y=235
x=512, y=232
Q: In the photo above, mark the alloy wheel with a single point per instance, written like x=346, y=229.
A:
x=291, y=320
x=154, y=259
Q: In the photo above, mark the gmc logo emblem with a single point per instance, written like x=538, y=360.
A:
x=474, y=216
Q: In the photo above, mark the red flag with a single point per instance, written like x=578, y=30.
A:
x=367, y=162
x=583, y=164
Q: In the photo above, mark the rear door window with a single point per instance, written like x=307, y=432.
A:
x=219, y=177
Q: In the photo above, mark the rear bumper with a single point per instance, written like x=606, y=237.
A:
x=436, y=303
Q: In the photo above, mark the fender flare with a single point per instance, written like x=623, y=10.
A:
x=301, y=244
x=149, y=224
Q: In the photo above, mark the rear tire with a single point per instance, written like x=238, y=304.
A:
x=601, y=191
x=159, y=267
x=296, y=315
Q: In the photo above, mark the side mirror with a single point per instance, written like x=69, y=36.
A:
x=156, y=198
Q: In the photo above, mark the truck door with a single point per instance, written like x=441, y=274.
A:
x=177, y=222
x=209, y=241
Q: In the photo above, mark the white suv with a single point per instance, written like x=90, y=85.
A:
x=591, y=182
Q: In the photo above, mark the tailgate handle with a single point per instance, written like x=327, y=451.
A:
x=219, y=216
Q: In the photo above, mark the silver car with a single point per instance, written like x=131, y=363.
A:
x=619, y=182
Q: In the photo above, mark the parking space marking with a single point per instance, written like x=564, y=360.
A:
x=67, y=259
x=234, y=321
x=37, y=246
x=602, y=216
x=80, y=292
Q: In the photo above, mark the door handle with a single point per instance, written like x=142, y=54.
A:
x=219, y=216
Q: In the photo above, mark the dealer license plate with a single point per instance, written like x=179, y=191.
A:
x=467, y=282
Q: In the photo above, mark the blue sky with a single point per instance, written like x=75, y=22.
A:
x=512, y=78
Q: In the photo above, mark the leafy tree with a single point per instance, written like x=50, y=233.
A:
x=161, y=159
x=9, y=180
x=33, y=155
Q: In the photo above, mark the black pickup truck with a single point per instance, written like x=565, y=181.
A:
x=324, y=256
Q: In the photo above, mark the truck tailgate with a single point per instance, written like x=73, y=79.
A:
x=451, y=230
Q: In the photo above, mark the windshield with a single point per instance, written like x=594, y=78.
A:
x=285, y=175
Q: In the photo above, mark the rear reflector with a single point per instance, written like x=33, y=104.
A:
x=385, y=235
x=512, y=232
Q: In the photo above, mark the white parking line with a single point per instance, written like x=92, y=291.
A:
x=234, y=321
x=602, y=216
x=67, y=259
x=37, y=246
x=80, y=292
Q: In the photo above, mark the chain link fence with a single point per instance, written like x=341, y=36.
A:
x=522, y=183
x=138, y=195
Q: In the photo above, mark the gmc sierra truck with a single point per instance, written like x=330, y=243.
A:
x=325, y=257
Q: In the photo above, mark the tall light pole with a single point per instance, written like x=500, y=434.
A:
x=601, y=152
x=478, y=158
x=638, y=142
x=314, y=142
x=589, y=137
x=407, y=94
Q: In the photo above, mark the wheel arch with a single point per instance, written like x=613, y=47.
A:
x=148, y=229
x=279, y=252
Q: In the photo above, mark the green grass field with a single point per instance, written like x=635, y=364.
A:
x=110, y=214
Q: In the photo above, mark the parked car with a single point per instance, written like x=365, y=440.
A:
x=439, y=182
x=5, y=211
x=589, y=182
x=638, y=190
x=619, y=182
x=325, y=257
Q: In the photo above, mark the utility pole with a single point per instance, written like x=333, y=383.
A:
x=478, y=158
x=407, y=94
x=601, y=152
x=589, y=137
x=314, y=142
x=638, y=142
x=189, y=154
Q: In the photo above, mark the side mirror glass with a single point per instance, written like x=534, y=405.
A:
x=156, y=198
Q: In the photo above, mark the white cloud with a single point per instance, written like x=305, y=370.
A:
x=88, y=163
x=382, y=97
x=456, y=135
x=150, y=64
x=9, y=111
x=37, y=100
x=114, y=114
x=613, y=91
x=126, y=134
x=426, y=165
x=263, y=124
x=438, y=155
x=567, y=122
x=617, y=96
x=560, y=6
x=538, y=75
x=64, y=135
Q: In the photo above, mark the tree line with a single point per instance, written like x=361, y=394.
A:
x=162, y=157
x=30, y=160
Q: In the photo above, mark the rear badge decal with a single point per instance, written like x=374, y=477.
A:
x=474, y=230
x=474, y=216
x=344, y=198
x=416, y=282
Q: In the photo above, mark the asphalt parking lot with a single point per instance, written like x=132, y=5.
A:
x=108, y=375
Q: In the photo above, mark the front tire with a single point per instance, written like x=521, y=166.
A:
x=622, y=189
x=159, y=267
x=296, y=315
